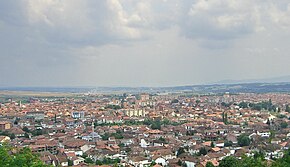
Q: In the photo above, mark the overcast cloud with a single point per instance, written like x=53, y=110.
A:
x=142, y=43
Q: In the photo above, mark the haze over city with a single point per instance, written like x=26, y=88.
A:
x=142, y=43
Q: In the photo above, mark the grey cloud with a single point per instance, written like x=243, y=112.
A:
x=150, y=42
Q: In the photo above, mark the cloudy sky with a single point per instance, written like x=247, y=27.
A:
x=142, y=43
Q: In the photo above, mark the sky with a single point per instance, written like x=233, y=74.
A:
x=142, y=42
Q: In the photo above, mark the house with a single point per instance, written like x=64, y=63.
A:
x=36, y=115
x=194, y=149
x=160, y=160
x=5, y=125
x=190, y=161
x=139, y=161
x=143, y=143
x=78, y=114
x=4, y=139
x=77, y=160
x=219, y=144
x=49, y=159
x=264, y=133
x=17, y=132
x=232, y=138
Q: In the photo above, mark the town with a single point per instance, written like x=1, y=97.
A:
x=142, y=129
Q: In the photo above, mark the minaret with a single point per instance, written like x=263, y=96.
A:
x=93, y=129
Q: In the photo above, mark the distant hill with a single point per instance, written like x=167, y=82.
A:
x=265, y=80
x=254, y=86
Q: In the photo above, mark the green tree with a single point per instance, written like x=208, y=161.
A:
x=174, y=101
x=243, y=105
x=244, y=140
x=228, y=143
x=25, y=129
x=209, y=164
x=202, y=151
x=105, y=136
x=89, y=160
x=12, y=136
x=70, y=162
x=225, y=117
x=18, y=158
x=156, y=125
x=252, y=162
x=287, y=108
x=26, y=135
x=180, y=151
x=284, y=125
x=229, y=162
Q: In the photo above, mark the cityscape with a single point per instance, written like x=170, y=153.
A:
x=142, y=129
x=147, y=83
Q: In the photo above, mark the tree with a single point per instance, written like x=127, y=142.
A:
x=225, y=117
x=268, y=122
x=209, y=164
x=174, y=101
x=287, y=108
x=202, y=151
x=55, y=118
x=180, y=151
x=228, y=143
x=21, y=158
x=156, y=125
x=197, y=101
x=26, y=135
x=25, y=129
x=244, y=140
x=12, y=136
x=252, y=161
x=179, y=162
x=284, y=125
x=70, y=162
x=243, y=105
x=212, y=144
x=229, y=162
x=89, y=160
x=152, y=163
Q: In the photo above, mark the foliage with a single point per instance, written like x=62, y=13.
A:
x=256, y=161
x=25, y=129
x=114, y=107
x=174, y=101
x=264, y=105
x=202, y=151
x=147, y=121
x=22, y=158
x=107, y=161
x=226, y=104
x=117, y=135
x=228, y=143
x=180, y=151
x=284, y=125
x=6, y=133
x=209, y=164
x=225, y=118
x=229, y=162
x=244, y=140
x=37, y=132
x=70, y=162
x=243, y=105
x=287, y=108
x=89, y=160
x=162, y=139
x=156, y=125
